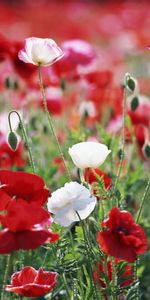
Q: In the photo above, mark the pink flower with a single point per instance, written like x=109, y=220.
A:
x=40, y=51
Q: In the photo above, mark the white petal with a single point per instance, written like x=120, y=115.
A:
x=40, y=51
x=81, y=205
x=88, y=154
x=64, y=218
x=23, y=56
x=84, y=213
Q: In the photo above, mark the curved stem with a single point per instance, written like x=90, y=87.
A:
x=123, y=137
x=24, y=135
x=143, y=200
x=50, y=122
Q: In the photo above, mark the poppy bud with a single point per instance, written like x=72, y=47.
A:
x=7, y=83
x=134, y=103
x=146, y=150
x=132, y=84
x=63, y=84
x=12, y=140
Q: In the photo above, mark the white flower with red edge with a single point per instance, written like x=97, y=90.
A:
x=39, y=51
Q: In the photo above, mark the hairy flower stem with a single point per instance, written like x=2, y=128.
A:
x=87, y=244
x=113, y=277
x=7, y=270
x=24, y=136
x=66, y=285
x=76, y=262
x=50, y=122
x=123, y=137
x=143, y=200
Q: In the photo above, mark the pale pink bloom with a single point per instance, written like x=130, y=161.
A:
x=40, y=51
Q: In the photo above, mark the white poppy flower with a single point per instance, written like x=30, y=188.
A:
x=40, y=51
x=66, y=201
x=88, y=154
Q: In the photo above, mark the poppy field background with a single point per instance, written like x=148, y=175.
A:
x=106, y=60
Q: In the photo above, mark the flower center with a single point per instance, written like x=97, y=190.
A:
x=124, y=230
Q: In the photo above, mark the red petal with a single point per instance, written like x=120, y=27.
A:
x=46, y=278
x=113, y=246
x=31, y=239
x=22, y=184
x=4, y=200
x=22, y=216
x=27, y=275
x=7, y=242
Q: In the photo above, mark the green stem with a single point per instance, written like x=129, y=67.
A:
x=81, y=175
x=135, y=267
x=143, y=200
x=7, y=269
x=89, y=259
x=50, y=122
x=76, y=263
x=24, y=135
x=123, y=138
x=66, y=285
x=113, y=277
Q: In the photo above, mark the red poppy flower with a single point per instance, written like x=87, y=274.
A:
x=124, y=276
x=26, y=239
x=23, y=185
x=90, y=177
x=142, y=114
x=5, y=48
x=58, y=162
x=55, y=100
x=21, y=215
x=32, y=283
x=123, y=238
x=76, y=52
x=24, y=70
x=100, y=78
x=9, y=158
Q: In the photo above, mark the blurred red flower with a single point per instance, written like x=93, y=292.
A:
x=10, y=158
x=99, y=78
x=123, y=238
x=90, y=177
x=24, y=70
x=32, y=283
x=76, y=52
x=142, y=114
x=9, y=50
x=5, y=48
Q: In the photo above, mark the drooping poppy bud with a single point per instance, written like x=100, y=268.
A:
x=13, y=140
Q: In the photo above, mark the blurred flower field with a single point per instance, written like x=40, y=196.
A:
x=74, y=150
